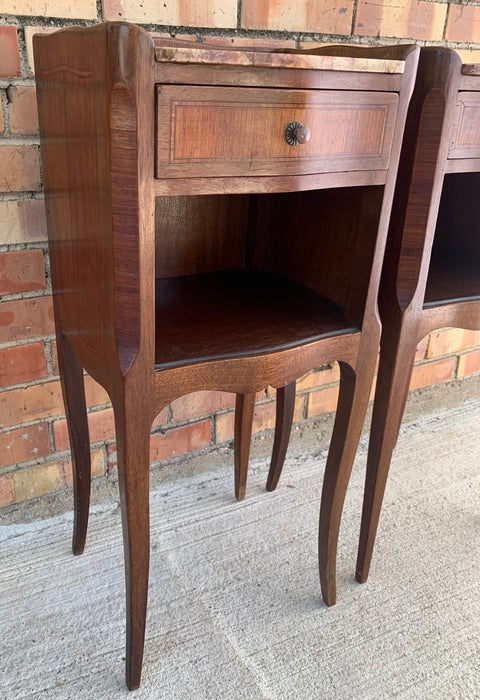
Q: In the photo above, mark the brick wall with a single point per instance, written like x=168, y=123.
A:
x=34, y=456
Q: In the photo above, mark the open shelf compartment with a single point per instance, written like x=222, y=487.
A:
x=239, y=275
x=454, y=273
x=238, y=313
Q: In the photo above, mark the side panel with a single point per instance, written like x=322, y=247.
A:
x=88, y=87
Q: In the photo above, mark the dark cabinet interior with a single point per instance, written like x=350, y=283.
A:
x=455, y=263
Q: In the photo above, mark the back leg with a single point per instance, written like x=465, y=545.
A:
x=283, y=427
x=244, y=407
x=73, y=388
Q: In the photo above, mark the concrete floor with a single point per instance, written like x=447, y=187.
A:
x=234, y=605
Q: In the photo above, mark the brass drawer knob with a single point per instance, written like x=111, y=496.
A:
x=296, y=133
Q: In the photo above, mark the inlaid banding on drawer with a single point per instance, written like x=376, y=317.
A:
x=466, y=128
x=241, y=131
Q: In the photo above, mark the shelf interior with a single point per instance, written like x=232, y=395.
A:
x=452, y=279
x=235, y=313
x=454, y=273
x=239, y=275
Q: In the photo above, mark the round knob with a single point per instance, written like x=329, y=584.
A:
x=303, y=134
x=296, y=133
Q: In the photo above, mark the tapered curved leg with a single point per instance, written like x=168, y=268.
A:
x=244, y=407
x=349, y=419
x=73, y=389
x=395, y=370
x=283, y=427
x=133, y=427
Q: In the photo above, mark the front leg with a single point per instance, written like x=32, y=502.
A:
x=244, y=408
x=133, y=425
x=355, y=387
x=397, y=356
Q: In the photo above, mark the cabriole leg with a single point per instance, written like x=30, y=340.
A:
x=73, y=388
x=393, y=380
x=349, y=419
x=244, y=407
x=283, y=427
x=133, y=449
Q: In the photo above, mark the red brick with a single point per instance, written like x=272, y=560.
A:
x=469, y=363
x=328, y=374
x=54, y=355
x=23, y=221
x=463, y=24
x=404, y=19
x=321, y=16
x=324, y=401
x=10, y=63
x=161, y=419
x=432, y=373
x=215, y=13
x=24, y=444
x=26, y=318
x=23, y=110
x=71, y=9
x=21, y=271
x=224, y=425
x=201, y=403
x=95, y=394
x=22, y=363
x=179, y=441
x=300, y=408
x=469, y=55
x=101, y=427
x=19, y=169
x=40, y=393
x=111, y=458
x=270, y=393
x=373, y=388
x=248, y=41
x=451, y=340
x=421, y=350
x=19, y=406
x=29, y=34
x=172, y=443
x=306, y=45
x=98, y=466
x=263, y=419
x=7, y=492
x=38, y=480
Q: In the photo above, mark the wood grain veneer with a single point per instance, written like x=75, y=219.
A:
x=349, y=131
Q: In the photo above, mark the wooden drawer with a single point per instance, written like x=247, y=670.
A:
x=221, y=131
x=466, y=128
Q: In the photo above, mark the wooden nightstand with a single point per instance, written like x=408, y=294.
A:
x=431, y=276
x=216, y=220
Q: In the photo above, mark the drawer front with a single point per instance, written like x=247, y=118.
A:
x=220, y=131
x=466, y=128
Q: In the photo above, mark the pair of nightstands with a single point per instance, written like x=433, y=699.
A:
x=217, y=220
